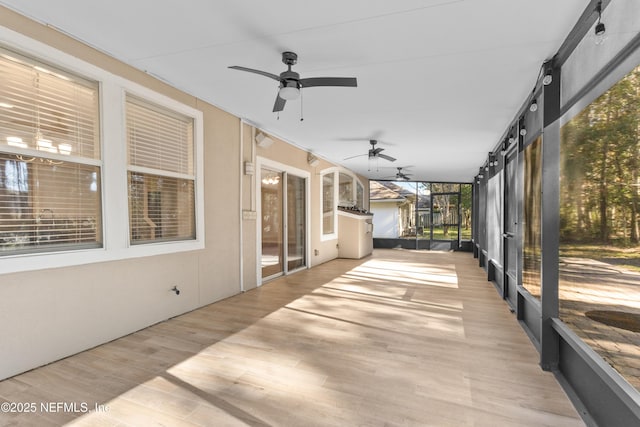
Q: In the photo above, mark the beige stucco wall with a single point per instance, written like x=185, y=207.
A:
x=47, y=314
x=283, y=152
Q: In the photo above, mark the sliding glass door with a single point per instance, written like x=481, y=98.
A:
x=296, y=222
x=283, y=222
x=272, y=222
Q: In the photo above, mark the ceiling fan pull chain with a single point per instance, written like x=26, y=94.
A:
x=301, y=105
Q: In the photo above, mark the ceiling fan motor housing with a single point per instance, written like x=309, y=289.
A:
x=290, y=79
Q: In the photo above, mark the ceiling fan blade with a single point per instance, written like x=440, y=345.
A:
x=279, y=104
x=329, y=81
x=376, y=151
x=353, y=157
x=384, y=156
x=251, y=70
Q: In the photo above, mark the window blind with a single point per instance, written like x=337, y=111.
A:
x=158, y=139
x=49, y=158
x=161, y=174
x=47, y=110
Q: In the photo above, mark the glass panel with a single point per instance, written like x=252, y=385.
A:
x=271, y=223
x=444, y=187
x=345, y=190
x=385, y=202
x=394, y=206
x=328, y=204
x=160, y=208
x=49, y=198
x=444, y=208
x=48, y=205
x=465, y=211
x=296, y=221
x=600, y=225
x=445, y=216
x=408, y=209
x=482, y=214
x=531, y=251
x=45, y=109
x=423, y=214
x=511, y=216
x=159, y=138
x=494, y=218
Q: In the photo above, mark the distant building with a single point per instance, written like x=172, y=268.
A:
x=394, y=208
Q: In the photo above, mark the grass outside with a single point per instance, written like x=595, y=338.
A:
x=438, y=234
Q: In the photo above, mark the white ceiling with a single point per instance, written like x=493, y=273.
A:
x=439, y=81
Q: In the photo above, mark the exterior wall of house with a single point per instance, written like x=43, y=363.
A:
x=50, y=313
x=385, y=220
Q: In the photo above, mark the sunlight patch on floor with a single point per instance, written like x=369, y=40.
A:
x=388, y=273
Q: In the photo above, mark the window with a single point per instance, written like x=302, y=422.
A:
x=350, y=191
x=345, y=190
x=466, y=202
x=61, y=187
x=161, y=173
x=359, y=195
x=532, y=219
x=599, y=286
x=328, y=204
x=50, y=165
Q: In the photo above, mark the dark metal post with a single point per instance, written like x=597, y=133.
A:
x=549, y=340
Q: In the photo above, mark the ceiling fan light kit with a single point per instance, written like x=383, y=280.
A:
x=289, y=93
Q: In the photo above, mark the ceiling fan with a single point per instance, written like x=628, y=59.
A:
x=374, y=152
x=291, y=83
x=401, y=175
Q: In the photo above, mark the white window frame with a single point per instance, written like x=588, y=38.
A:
x=281, y=167
x=334, y=171
x=336, y=197
x=115, y=223
x=54, y=153
x=352, y=200
x=355, y=183
x=162, y=173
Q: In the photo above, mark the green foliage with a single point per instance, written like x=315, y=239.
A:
x=600, y=183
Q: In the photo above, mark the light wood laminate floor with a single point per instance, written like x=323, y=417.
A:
x=396, y=339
